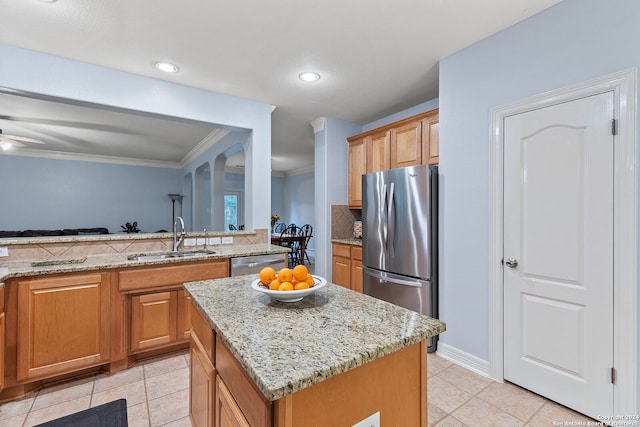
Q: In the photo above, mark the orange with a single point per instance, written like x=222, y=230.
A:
x=267, y=274
x=274, y=285
x=285, y=275
x=301, y=285
x=310, y=281
x=285, y=286
x=300, y=272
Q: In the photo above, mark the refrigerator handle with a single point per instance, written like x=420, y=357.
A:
x=392, y=279
x=391, y=222
x=383, y=216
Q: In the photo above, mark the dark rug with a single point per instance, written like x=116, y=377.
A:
x=112, y=414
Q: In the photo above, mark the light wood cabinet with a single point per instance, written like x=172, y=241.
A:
x=431, y=140
x=357, y=167
x=228, y=413
x=408, y=142
x=406, y=145
x=154, y=320
x=160, y=307
x=347, y=266
x=377, y=151
x=63, y=324
x=202, y=393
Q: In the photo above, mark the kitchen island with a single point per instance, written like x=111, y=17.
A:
x=332, y=359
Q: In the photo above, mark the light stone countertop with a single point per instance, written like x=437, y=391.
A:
x=349, y=241
x=286, y=347
x=13, y=269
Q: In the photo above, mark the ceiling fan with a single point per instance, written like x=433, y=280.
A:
x=9, y=141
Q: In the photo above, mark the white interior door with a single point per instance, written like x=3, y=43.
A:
x=558, y=227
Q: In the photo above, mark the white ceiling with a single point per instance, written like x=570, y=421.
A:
x=375, y=58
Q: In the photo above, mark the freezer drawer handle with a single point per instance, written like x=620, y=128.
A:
x=394, y=280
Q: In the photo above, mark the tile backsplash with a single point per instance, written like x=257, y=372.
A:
x=342, y=219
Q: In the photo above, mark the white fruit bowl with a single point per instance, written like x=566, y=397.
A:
x=290, y=296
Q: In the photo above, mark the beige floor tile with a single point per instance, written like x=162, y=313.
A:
x=450, y=422
x=134, y=393
x=465, y=379
x=16, y=421
x=128, y=376
x=169, y=408
x=57, y=411
x=478, y=412
x=435, y=414
x=62, y=393
x=552, y=412
x=161, y=385
x=164, y=365
x=182, y=422
x=445, y=395
x=17, y=407
x=512, y=399
x=138, y=415
x=435, y=364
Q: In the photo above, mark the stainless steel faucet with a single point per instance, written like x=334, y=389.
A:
x=177, y=242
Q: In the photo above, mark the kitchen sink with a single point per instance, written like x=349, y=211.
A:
x=168, y=255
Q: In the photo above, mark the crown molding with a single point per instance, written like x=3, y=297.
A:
x=318, y=124
x=208, y=141
x=59, y=155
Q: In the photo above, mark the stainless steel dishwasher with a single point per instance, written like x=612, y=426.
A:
x=255, y=263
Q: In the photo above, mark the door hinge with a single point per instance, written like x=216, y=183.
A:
x=613, y=375
x=614, y=127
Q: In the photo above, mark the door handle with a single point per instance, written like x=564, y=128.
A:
x=511, y=262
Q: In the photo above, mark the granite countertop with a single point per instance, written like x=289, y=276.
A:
x=349, y=241
x=286, y=347
x=102, y=262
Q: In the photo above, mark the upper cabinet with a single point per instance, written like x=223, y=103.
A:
x=409, y=142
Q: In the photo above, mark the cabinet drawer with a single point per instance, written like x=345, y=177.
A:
x=341, y=250
x=158, y=276
x=251, y=401
x=356, y=253
x=204, y=332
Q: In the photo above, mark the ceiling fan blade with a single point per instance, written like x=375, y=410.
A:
x=23, y=139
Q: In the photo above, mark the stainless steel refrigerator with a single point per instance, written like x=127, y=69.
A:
x=400, y=238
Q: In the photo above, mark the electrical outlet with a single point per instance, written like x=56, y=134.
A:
x=189, y=242
x=213, y=241
x=4, y=251
x=371, y=421
x=227, y=239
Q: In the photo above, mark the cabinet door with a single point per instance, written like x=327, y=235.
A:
x=2, y=344
x=228, y=413
x=153, y=320
x=356, y=269
x=184, y=315
x=430, y=140
x=63, y=324
x=202, y=386
x=406, y=145
x=357, y=167
x=377, y=150
x=341, y=274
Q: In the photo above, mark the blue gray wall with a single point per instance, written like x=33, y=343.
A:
x=42, y=193
x=572, y=42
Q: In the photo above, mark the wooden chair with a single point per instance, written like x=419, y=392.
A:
x=232, y=227
x=289, y=239
x=307, y=231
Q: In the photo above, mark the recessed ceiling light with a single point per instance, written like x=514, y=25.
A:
x=6, y=146
x=309, y=76
x=167, y=67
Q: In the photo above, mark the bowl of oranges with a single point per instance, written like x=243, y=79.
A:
x=288, y=284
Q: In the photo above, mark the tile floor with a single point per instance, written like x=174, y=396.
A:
x=157, y=393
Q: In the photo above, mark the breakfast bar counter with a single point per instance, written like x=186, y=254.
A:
x=287, y=349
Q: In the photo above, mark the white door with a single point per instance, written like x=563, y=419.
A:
x=558, y=228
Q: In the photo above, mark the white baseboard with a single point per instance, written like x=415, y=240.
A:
x=464, y=359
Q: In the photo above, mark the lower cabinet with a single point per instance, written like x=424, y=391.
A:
x=202, y=390
x=63, y=324
x=347, y=266
x=228, y=413
x=154, y=320
x=2, y=337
